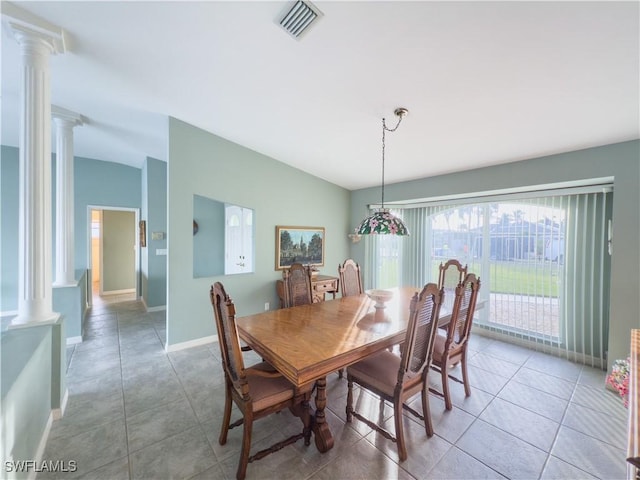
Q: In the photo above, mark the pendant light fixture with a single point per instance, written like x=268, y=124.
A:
x=382, y=221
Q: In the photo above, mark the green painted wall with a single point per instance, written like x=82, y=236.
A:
x=101, y=183
x=9, y=184
x=144, y=215
x=26, y=386
x=204, y=164
x=154, y=211
x=70, y=302
x=95, y=182
x=620, y=160
x=208, y=243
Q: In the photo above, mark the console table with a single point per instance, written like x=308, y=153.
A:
x=320, y=285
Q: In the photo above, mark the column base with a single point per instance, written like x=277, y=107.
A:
x=22, y=321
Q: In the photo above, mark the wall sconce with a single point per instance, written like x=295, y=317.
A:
x=355, y=237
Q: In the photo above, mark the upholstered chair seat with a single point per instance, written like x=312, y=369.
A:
x=257, y=391
x=398, y=378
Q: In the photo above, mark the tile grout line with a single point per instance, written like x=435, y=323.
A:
x=560, y=424
x=124, y=401
x=90, y=350
x=193, y=410
x=478, y=419
x=564, y=414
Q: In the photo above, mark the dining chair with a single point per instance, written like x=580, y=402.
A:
x=350, y=284
x=450, y=274
x=257, y=391
x=297, y=285
x=350, y=280
x=397, y=378
x=451, y=348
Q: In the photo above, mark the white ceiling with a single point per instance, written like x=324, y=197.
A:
x=485, y=82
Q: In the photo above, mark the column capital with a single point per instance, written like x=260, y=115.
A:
x=67, y=117
x=27, y=27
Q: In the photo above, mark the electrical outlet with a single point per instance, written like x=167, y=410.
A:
x=266, y=306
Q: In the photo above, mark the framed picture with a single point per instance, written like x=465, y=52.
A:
x=143, y=233
x=299, y=245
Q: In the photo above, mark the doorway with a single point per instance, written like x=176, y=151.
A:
x=113, y=254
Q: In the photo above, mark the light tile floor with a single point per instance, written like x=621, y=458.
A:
x=135, y=411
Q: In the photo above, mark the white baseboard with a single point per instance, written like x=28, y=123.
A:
x=41, y=446
x=539, y=347
x=159, y=308
x=73, y=340
x=119, y=292
x=147, y=308
x=191, y=343
x=58, y=413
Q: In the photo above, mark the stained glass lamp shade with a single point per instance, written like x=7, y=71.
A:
x=382, y=221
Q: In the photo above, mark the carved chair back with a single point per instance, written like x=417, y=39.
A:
x=462, y=314
x=421, y=331
x=297, y=286
x=350, y=280
x=232, y=362
x=270, y=391
x=451, y=274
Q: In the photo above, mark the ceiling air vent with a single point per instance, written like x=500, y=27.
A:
x=299, y=18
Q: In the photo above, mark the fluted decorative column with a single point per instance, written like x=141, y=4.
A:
x=38, y=42
x=64, y=121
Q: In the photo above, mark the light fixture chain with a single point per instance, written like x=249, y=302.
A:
x=382, y=221
x=386, y=129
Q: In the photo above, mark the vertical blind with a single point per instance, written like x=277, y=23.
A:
x=542, y=260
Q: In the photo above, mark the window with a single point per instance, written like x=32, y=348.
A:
x=508, y=245
x=542, y=261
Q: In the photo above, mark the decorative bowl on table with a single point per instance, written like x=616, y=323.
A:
x=380, y=297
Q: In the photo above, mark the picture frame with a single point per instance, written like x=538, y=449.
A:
x=299, y=245
x=143, y=233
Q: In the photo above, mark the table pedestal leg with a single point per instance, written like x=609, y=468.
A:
x=322, y=434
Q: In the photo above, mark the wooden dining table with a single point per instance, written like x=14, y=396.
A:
x=308, y=342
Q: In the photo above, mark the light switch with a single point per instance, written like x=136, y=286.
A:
x=161, y=251
x=157, y=235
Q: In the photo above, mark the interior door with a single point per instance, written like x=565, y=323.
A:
x=118, y=273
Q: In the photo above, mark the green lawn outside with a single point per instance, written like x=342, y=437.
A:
x=539, y=279
x=533, y=278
